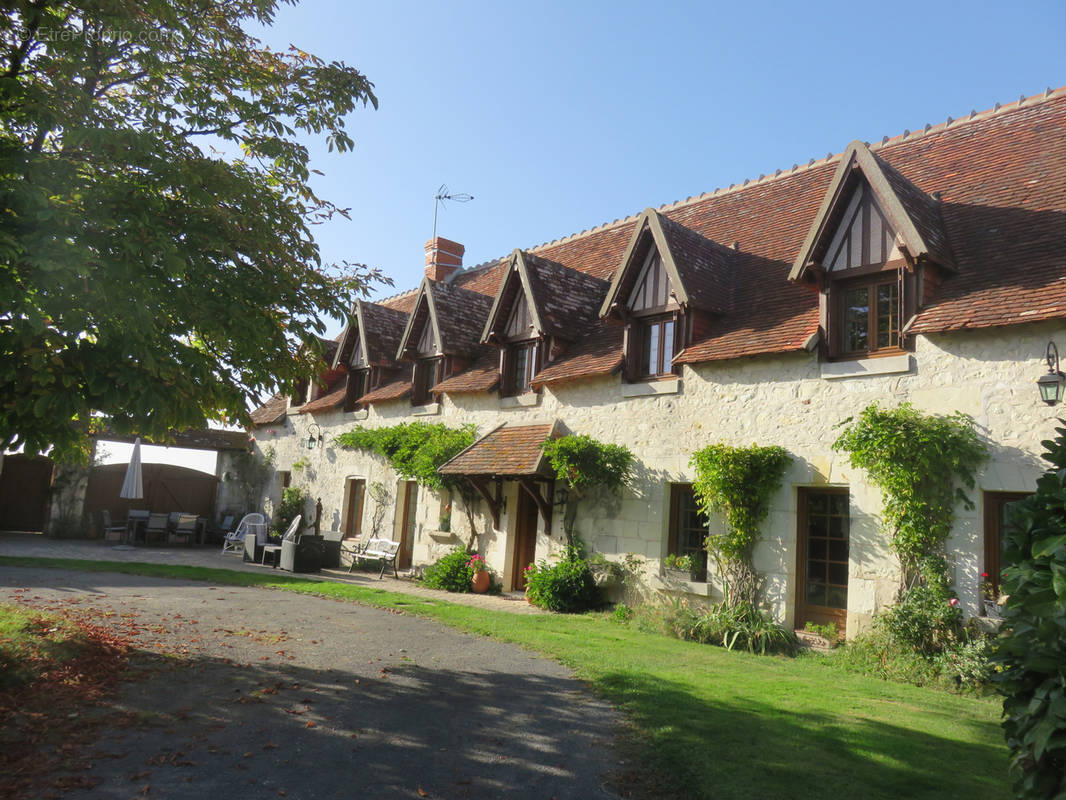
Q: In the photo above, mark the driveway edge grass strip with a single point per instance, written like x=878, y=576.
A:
x=717, y=723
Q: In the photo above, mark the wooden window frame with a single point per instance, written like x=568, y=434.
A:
x=510, y=385
x=425, y=374
x=358, y=384
x=819, y=613
x=993, y=501
x=871, y=280
x=642, y=327
x=678, y=493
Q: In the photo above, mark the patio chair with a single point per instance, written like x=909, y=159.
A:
x=112, y=532
x=185, y=529
x=233, y=541
x=217, y=533
x=275, y=550
x=301, y=553
x=255, y=539
x=156, y=528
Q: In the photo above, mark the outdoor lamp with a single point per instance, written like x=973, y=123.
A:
x=1052, y=383
x=562, y=494
x=314, y=435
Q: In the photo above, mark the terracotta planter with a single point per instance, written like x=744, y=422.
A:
x=480, y=582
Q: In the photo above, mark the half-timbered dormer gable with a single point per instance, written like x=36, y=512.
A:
x=442, y=336
x=670, y=281
x=874, y=251
x=367, y=350
x=539, y=308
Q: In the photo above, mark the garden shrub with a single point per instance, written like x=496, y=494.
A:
x=451, y=572
x=293, y=500
x=567, y=586
x=1031, y=650
x=961, y=666
x=735, y=627
x=922, y=621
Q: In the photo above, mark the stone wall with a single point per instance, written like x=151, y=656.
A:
x=791, y=400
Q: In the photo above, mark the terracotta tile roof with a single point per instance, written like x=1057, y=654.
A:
x=705, y=267
x=397, y=390
x=505, y=451
x=273, y=410
x=598, y=353
x=461, y=314
x=1000, y=220
x=483, y=376
x=333, y=397
x=567, y=300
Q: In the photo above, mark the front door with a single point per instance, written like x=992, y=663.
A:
x=525, y=538
x=353, y=515
x=995, y=519
x=407, y=535
x=822, y=557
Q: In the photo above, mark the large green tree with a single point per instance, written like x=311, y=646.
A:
x=156, y=258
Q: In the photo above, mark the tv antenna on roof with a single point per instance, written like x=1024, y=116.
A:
x=444, y=194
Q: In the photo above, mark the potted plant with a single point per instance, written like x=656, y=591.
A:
x=479, y=580
x=679, y=567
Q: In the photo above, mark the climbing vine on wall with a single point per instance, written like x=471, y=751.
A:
x=581, y=463
x=738, y=482
x=413, y=449
x=921, y=463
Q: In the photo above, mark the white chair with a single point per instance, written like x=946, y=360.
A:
x=234, y=540
x=275, y=550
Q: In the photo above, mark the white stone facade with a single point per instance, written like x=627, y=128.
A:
x=793, y=401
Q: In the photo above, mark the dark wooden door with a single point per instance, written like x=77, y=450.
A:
x=822, y=557
x=525, y=538
x=25, y=489
x=353, y=518
x=407, y=534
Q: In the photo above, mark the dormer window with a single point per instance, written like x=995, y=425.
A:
x=358, y=385
x=864, y=282
x=521, y=354
x=653, y=325
x=875, y=248
x=427, y=369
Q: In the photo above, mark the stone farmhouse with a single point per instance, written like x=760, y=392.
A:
x=929, y=268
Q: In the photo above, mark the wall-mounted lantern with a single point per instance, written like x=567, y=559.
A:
x=1051, y=384
x=562, y=494
x=314, y=435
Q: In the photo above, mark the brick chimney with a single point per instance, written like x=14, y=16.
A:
x=443, y=258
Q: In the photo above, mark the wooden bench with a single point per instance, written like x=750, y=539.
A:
x=385, y=550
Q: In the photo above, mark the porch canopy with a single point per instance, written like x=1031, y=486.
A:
x=507, y=453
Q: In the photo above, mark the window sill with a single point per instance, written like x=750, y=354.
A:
x=671, y=584
x=889, y=365
x=653, y=387
x=426, y=411
x=526, y=400
x=362, y=413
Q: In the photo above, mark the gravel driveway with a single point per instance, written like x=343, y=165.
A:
x=283, y=695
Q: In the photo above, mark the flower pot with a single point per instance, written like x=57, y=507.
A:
x=480, y=582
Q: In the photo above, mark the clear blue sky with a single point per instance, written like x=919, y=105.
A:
x=561, y=116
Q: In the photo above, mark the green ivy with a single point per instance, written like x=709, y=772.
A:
x=1031, y=651
x=414, y=449
x=738, y=482
x=918, y=462
x=582, y=463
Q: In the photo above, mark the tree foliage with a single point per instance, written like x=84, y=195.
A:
x=1031, y=649
x=414, y=449
x=145, y=274
x=918, y=462
x=738, y=482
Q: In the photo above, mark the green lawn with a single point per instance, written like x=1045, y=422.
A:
x=724, y=724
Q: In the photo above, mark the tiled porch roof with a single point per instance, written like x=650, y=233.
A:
x=505, y=451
